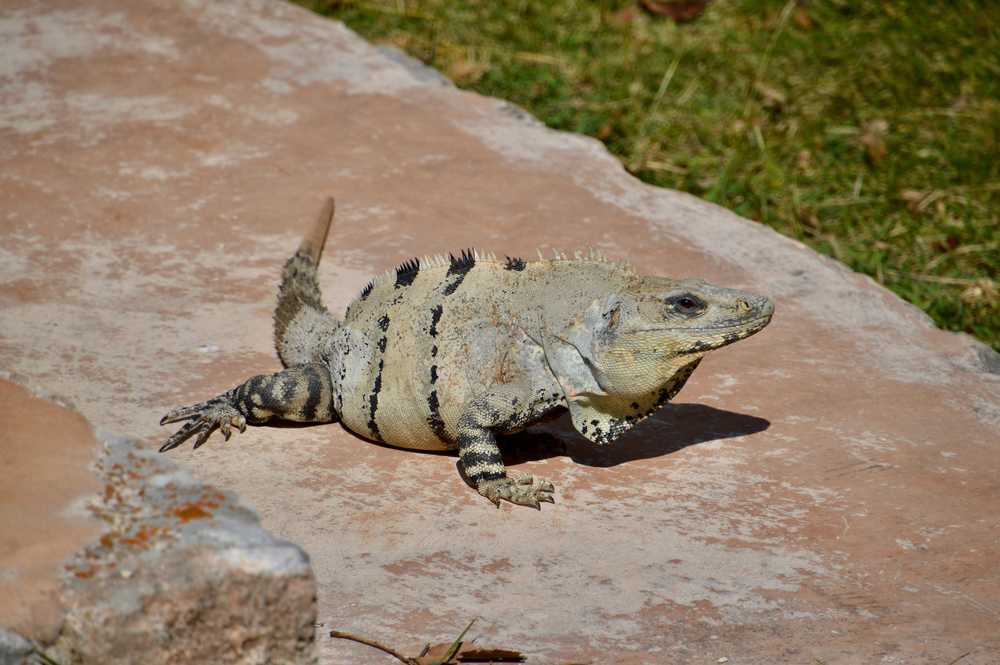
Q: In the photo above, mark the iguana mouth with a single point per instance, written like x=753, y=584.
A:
x=752, y=323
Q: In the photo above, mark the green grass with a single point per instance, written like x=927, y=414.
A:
x=868, y=130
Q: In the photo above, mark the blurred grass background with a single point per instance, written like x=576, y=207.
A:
x=866, y=129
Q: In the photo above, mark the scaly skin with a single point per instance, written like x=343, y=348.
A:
x=450, y=353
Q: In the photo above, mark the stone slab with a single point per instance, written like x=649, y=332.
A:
x=110, y=554
x=181, y=574
x=826, y=490
x=45, y=461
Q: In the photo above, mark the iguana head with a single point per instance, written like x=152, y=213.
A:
x=641, y=337
x=633, y=347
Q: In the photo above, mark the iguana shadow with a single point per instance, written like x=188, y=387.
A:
x=673, y=428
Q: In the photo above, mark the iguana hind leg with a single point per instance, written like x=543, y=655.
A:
x=303, y=394
x=479, y=455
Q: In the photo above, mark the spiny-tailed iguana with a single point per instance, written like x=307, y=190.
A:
x=446, y=353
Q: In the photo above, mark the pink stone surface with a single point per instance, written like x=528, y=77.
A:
x=45, y=458
x=825, y=490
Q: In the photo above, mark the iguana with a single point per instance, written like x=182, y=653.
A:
x=450, y=353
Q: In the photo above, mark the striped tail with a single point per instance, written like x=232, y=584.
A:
x=302, y=324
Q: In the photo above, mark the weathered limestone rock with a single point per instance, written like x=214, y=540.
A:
x=826, y=490
x=164, y=569
x=14, y=649
x=183, y=574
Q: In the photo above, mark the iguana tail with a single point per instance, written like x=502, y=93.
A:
x=302, y=324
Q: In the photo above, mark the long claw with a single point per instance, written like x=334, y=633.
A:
x=182, y=413
x=180, y=436
x=203, y=418
x=207, y=428
x=169, y=445
x=519, y=490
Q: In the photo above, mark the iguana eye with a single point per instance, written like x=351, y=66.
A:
x=686, y=304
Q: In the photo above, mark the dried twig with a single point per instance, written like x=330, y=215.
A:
x=960, y=658
x=375, y=645
x=44, y=657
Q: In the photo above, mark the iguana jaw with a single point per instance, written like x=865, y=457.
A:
x=752, y=326
x=715, y=337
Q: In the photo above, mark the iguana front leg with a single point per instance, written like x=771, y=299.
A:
x=302, y=393
x=479, y=455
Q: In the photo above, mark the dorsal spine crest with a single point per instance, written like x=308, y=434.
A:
x=407, y=271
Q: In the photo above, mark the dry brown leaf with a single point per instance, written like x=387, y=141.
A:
x=802, y=18
x=916, y=202
x=873, y=139
x=874, y=148
x=483, y=655
x=771, y=97
x=879, y=127
x=983, y=291
x=911, y=195
x=466, y=71
x=468, y=653
x=807, y=217
x=804, y=160
x=680, y=11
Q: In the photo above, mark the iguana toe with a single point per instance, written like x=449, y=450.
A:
x=226, y=423
x=181, y=413
x=204, y=418
x=522, y=491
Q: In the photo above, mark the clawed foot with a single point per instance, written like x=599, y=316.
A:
x=205, y=417
x=522, y=490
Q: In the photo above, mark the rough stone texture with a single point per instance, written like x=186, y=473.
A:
x=826, y=490
x=14, y=649
x=111, y=554
x=182, y=574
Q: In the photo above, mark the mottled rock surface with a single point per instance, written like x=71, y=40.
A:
x=14, y=648
x=182, y=574
x=826, y=490
x=111, y=555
